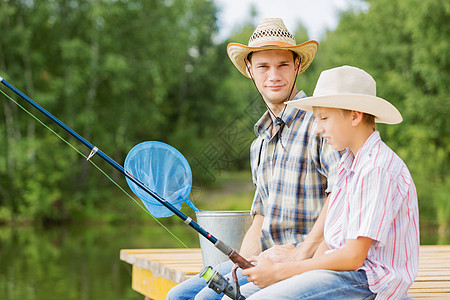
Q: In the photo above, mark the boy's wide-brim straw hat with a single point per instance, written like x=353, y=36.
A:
x=271, y=34
x=352, y=89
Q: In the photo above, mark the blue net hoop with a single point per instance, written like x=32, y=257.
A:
x=165, y=171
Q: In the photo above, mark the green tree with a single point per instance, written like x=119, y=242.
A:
x=117, y=72
x=405, y=46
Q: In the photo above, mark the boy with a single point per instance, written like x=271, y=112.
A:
x=371, y=232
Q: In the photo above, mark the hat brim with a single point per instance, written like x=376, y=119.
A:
x=383, y=111
x=238, y=53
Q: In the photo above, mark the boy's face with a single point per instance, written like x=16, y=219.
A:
x=335, y=126
x=274, y=74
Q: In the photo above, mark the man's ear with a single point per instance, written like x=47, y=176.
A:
x=248, y=66
x=298, y=63
x=357, y=117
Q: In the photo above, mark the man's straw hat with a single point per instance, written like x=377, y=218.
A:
x=271, y=34
x=352, y=89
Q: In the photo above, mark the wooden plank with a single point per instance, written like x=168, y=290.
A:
x=171, y=264
x=156, y=271
x=433, y=278
x=146, y=283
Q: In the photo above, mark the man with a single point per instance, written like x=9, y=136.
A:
x=290, y=164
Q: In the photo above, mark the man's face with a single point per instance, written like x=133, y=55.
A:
x=274, y=74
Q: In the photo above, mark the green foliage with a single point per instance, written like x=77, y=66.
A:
x=118, y=73
x=121, y=72
x=405, y=46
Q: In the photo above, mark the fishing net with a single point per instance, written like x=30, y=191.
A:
x=165, y=171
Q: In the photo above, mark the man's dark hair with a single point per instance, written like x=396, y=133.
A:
x=294, y=55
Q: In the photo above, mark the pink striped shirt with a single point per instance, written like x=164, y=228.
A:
x=374, y=196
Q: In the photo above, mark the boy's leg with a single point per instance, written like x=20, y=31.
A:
x=319, y=284
x=195, y=287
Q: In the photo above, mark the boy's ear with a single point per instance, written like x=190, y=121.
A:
x=357, y=117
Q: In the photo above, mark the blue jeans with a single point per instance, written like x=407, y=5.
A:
x=316, y=284
x=195, y=287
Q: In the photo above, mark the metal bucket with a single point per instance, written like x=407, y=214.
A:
x=227, y=226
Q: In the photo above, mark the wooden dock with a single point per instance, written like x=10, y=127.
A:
x=156, y=271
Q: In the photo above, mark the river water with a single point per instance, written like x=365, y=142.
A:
x=77, y=262
x=82, y=262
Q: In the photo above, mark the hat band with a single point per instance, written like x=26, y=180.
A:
x=272, y=44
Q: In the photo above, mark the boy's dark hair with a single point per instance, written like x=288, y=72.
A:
x=367, y=118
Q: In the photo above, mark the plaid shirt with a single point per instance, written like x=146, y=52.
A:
x=290, y=171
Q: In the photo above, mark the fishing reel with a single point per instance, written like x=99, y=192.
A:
x=221, y=284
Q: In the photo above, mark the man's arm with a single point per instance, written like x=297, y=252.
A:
x=315, y=236
x=251, y=244
x=284, y=253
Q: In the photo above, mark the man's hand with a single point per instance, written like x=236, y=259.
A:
x=263, y=274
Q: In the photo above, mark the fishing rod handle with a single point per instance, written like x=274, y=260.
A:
x=240, y=260
x=233, y=255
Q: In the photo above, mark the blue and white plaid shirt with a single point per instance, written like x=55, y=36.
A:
x=292, y=175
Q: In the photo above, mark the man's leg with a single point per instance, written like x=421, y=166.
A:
x=319, y=284
x=195, y=287
x=208, y=293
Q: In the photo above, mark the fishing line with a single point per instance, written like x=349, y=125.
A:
x=95, y=165
x=173, y=207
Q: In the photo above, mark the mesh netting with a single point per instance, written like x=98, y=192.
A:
x=165, y=171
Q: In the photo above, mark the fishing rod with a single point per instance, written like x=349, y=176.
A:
x=221, y=246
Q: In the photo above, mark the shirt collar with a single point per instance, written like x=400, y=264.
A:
x=288, y=115
x=352, y=162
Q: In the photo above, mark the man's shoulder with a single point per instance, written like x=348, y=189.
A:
x=303, y=122
x=304, y=116
x=256, y=143
x=255, y=148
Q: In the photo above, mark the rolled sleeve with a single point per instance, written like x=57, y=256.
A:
x=257, y=205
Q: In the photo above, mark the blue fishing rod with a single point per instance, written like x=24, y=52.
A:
x=225, y=249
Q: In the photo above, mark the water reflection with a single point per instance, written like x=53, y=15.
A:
x=83, y=262
x=77, y=262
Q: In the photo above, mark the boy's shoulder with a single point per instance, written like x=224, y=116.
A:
x=382, y=158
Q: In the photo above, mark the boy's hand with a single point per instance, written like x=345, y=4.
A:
x=263, y=274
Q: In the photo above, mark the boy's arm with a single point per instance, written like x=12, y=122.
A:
x=348, y=258
x=251, y=244
x=323, y=247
